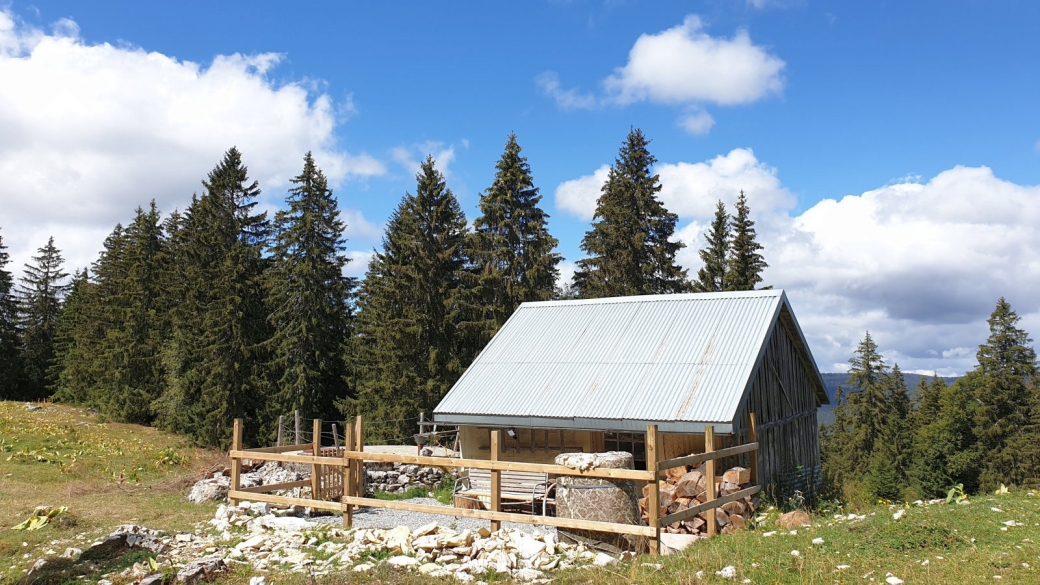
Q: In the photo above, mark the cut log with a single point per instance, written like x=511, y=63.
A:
x=736, y=507
x=667, y=494
x=691, y=484
x=737, y=522
x=737, y=475
x=721, y=517
x=694, y=524
x=674, y=474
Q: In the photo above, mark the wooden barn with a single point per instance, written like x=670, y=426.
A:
x=590, y=375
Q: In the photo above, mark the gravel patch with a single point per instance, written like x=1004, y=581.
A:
x=387, y=518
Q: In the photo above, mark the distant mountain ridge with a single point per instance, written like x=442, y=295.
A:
x=831, y=380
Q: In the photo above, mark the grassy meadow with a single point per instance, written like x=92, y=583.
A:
x=110, y=474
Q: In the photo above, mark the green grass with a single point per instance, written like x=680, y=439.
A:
x=106, y=473
x=110, y=474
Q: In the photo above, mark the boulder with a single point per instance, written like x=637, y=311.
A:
x=126, y=536
x=673, y=543
x=199, y=569
x=209, y=490
x=795, y=519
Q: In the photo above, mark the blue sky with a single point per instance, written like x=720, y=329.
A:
x=891, y=151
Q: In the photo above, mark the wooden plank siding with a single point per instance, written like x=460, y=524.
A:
x=784, y=400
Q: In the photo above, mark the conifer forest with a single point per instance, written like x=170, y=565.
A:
x=191, y=318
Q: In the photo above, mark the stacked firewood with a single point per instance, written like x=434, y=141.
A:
x=687, y=487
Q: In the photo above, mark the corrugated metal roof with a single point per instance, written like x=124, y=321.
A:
x=610, y=363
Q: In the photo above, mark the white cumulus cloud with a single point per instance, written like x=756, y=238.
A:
x=90, y=131
x=578, y=196
x=696, y=121
x=919, y=263
x=685, y=64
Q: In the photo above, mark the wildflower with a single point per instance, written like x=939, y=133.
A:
x=817, y=541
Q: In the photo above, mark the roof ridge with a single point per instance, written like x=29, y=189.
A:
x=744, y=294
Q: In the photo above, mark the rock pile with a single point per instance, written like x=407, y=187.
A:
x=685, y=488
x=388, y=477
x=250, y=534
x=398, y=478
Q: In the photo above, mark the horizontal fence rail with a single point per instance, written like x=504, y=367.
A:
x=337, y=480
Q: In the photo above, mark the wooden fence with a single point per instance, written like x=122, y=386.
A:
x=337, y=480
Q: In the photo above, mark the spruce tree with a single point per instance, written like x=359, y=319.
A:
x=945, y=451
x=138, y=326
x=511, y=249
x=712, y=276
x=308, y=299
x=215, y=357
x=40, y=295
x=835, y=446
x=10, y=366
x=1026, y=443
x=745, y=265
x=76, y=344
x=869, y=406
x=409, y=349
x=630, y=245
x=1006, y=362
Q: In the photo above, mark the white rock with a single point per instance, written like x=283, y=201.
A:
x=893, y=580
x=428, y=568
x=899, y=514
x=399, y=540
x=527, y=575
x=529, y=547
x=425, y=529
x=727, y=572
x=795, y=553
x=253, y=542
x=603, y=559
x=463, y=577
x=363, y=567
x=402, y=561
x=258, y=580
x=71, y=552
x=817, y=541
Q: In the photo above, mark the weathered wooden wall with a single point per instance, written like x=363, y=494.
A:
x=783, y=398
x=531, y=445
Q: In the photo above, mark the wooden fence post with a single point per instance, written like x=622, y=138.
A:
x=296, y=435
x=335, y=436
x=348, y=475
x=496, y=478
x=653, y=498
x=753, y=438
x=315, y=468
x=281, y=421
x=709, y=467
x=236, y=463
x=359, y=465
